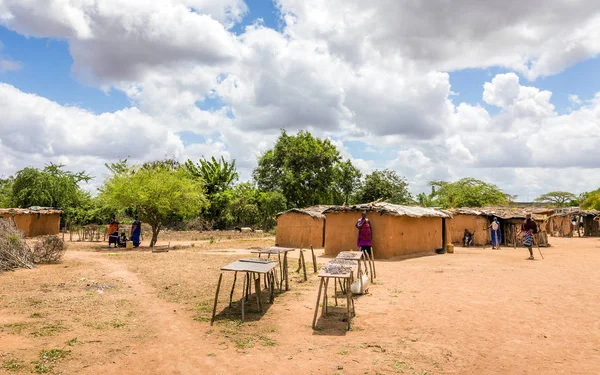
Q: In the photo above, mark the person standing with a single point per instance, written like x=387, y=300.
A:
x=529, y=229
x=364, y=233
x=136, y=230
x=113, y=231
x=496, y=235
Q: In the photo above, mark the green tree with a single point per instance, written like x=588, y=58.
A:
x=6, y=192
x=155, y=192
x=385, y=185
x=558, y=199
x=347, y=180
x=301, y=167
x=248, y=206
x=425, y=200
x=218, y=175
x=467, y=192
x=49, y=187
x=591, y=201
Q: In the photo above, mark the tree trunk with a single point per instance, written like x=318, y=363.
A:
x=155, y=231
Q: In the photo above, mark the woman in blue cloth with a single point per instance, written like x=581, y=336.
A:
x=496, y=234
x=136, y=230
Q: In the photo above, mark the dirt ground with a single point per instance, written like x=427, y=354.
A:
x=475, y=311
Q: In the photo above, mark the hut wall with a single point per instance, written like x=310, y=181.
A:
x=591, y=227
x=42, y=225
x=299, y=231
x=511, y=227
x=559, y=226
x=392, y=235
x=36, y=225
x=474, y=223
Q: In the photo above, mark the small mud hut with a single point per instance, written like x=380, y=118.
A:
x=397, y=230
x=474, y=220
x=301, y=227
x=561, y=224
x=511, y=220
x=34, y=221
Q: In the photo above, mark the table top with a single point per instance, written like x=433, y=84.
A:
x=354, y=255
x=273, y=250
x=337, y=270
x=352, y=263
x=247, y=266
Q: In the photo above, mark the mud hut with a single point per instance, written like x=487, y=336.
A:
x=474, y=220
x=35, y=221
x=560, y=224
x=301, y=227
x=397, y=230
x=511, y=220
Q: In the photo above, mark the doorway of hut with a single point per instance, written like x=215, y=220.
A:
x=506, y=232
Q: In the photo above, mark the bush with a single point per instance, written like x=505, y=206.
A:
x=48, y=249
x=14, y=251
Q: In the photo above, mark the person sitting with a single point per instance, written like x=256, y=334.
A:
x=113, y=232
x=123, y=240
x=467, y=238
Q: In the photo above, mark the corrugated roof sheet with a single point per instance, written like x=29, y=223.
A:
x=30, y=211
x=314, y=211
x=384, y=208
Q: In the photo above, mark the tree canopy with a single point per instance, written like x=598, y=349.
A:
x=591, y=201
x=347, y=180
x=385, y=185
x=154, y=192
x=48, y=187
x=301, y=167
x=558, y=199
x=218, y=175
x=467, y=192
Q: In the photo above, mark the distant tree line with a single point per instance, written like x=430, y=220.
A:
x=299, y=171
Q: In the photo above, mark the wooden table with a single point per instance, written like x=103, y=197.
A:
x=283, y=266
x=357, y=256
x=250, y=267
x=338, y=273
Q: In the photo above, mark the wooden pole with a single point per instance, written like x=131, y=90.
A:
x=348, y=301
x=258, y=294
x=304, y=266
x=281, y=273
x=272, y=286
x=324, y=311
x=285, y=269
x=216, y=299
x=373, y=257
x=314, y=325
x=232, y=288
x=314, y=259
x=370, y=266
x=243, y=301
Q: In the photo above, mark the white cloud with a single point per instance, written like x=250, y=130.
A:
x=351, y=70
x=9, y=65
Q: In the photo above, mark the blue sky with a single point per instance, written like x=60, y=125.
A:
x=312, y=72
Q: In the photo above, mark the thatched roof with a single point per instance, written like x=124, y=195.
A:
x=505, y=213
x=313, y=211
x=30, y=211
x=578, y=212
x=384, y=208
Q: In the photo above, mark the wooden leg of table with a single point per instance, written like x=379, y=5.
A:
x=272, y=286
x=304, y=267
x=373, y=261
x=359, y=274
x=314, y=325
x=216, y=299
x=299, y=262
x=348, y=301
x=324, y=311
x=258, y=294
x=280, y=273
x=335, y=291
x=370, y=266
x=232, y=288
x=244, y=291
x=285, y=269
x=314, y=259
x=248, y=287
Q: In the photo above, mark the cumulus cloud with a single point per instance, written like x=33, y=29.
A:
x=352, y=70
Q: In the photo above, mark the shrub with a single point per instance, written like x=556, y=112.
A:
x=14, y=251
x=48, y=249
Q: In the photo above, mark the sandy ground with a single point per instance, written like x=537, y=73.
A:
x=473, y=312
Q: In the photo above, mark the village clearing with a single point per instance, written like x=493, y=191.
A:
x=477, y=311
